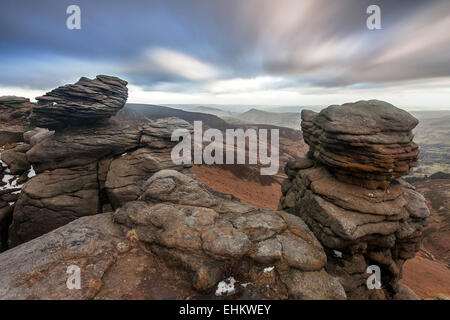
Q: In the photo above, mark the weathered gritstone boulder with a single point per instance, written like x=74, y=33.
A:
x=14, y=112
x=84, y=171
x=112, y=266
x=53, y=199
x=83, y=145
x=176, y=248
x=86, y=101
x=127, y=173
x=214, y=236
x=16, y=160
x=368, y=143
x=358, y=224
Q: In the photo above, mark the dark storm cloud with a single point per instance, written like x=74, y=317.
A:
x=318, y=42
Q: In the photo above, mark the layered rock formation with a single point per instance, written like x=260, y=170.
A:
x=84, y=171
x=368, y=143
x=86, y=101
x=354, y=150
x=14, y=113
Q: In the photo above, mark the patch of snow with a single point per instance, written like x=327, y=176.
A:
x=4, y=165
x=370, y=195
x=11, y=182
x=226, y=287
x=244, y=285
x=268, y=269
x=124, y=154
x=31, y=173
x=337, y=254
x=16, y=192
x=11, y=203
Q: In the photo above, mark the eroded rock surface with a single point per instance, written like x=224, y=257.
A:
x=368, y=143
x=354, y=149
x=14, y=113
x=173, y=248
x=86, y=101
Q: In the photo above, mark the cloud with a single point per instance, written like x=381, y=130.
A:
x=243, y=85
x=177, y=64
x=213, y=49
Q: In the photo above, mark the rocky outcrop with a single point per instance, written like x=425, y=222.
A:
x=215, y=236
x=89, y=164
x=53, y=199
x=104, y=196
x=79, y=146
x=83, y=171
x=86, y=101
x=178, y=240
x=368, y=143
x=169, y=236
x=14, y=112
x=335, y=192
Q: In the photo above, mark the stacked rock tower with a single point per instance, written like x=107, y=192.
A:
x=349, y=191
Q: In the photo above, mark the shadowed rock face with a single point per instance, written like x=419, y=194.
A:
x=86, y=101
x=368, y=143
x=355, y=149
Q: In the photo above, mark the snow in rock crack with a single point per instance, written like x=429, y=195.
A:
x=268, y=269
x=226, y=287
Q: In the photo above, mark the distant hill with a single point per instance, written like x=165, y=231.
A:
x=133, y=111
x=430, y=114
x=213, y=111
x=433, y=137
x=433, y=131
x=287, y=119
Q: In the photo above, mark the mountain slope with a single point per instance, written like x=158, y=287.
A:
x=287, y=119
x=133, y=111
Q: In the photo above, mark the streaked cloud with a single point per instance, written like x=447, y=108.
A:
x=235, y=85
x=174, y=63
x=219, y=51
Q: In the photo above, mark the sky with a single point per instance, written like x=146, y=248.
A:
x=249, y=52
